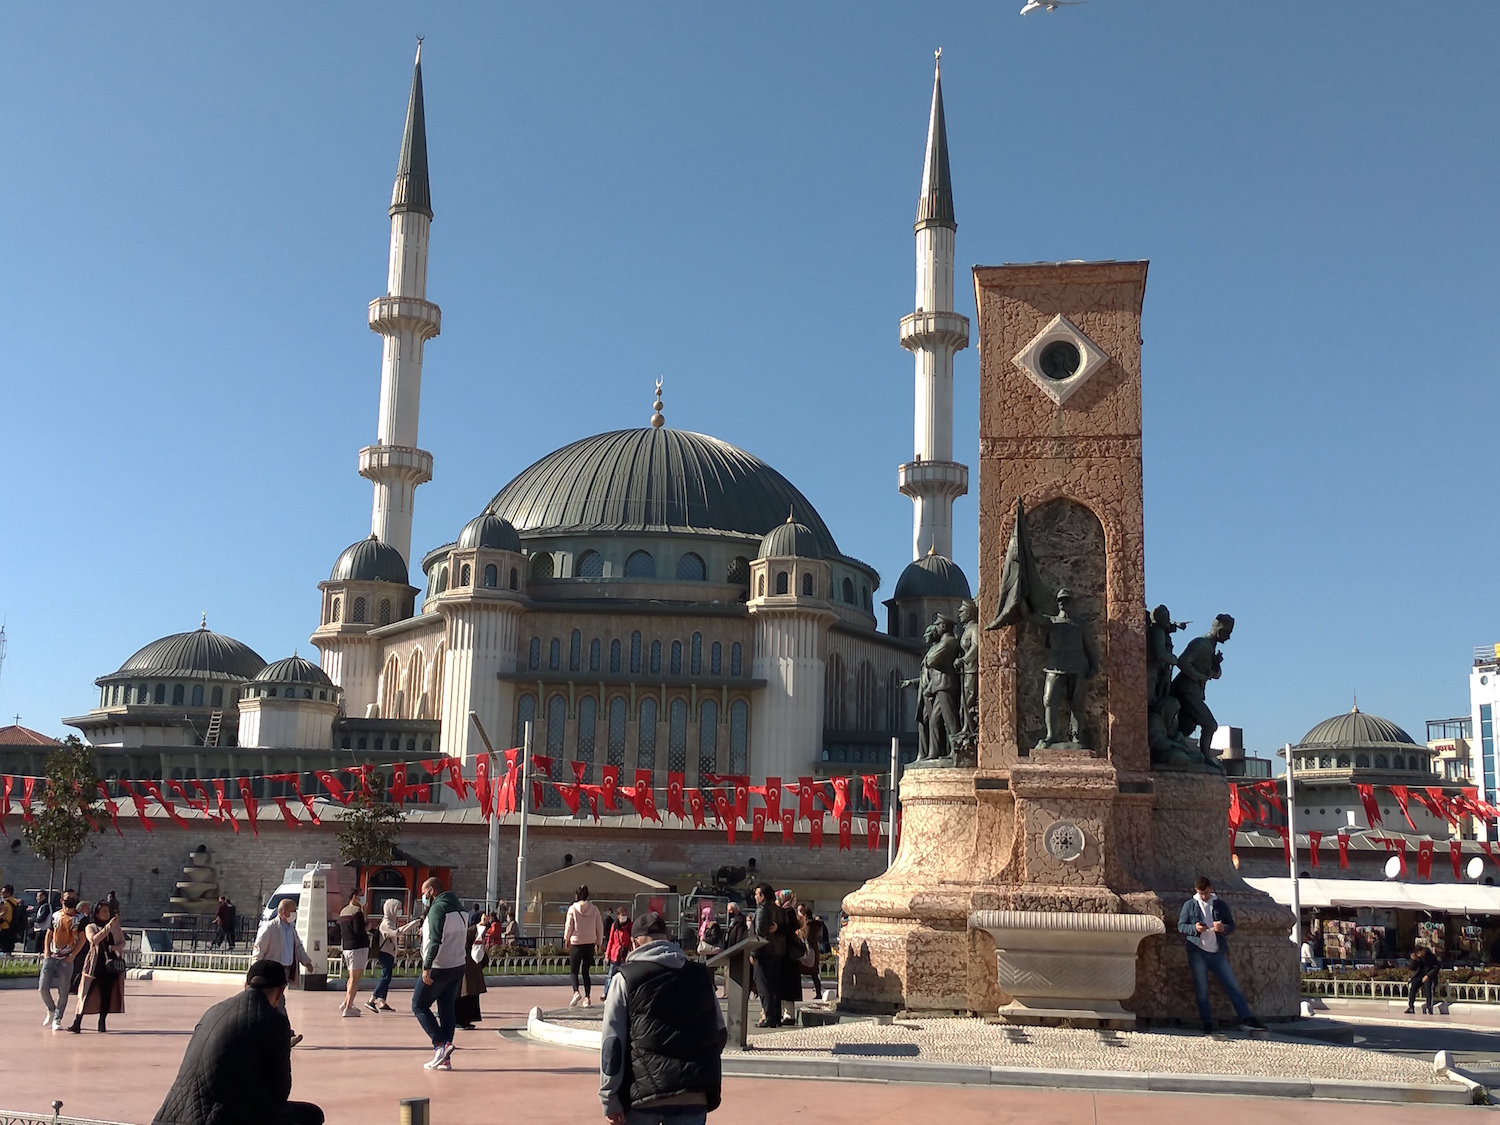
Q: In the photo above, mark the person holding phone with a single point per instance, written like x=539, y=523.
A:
x=1206, y=922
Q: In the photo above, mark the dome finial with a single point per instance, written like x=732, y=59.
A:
x=204, y=623
x=1355, y=709
x=657, y=421
x=931, y=549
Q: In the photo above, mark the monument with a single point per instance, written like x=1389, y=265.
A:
x=1059, y=839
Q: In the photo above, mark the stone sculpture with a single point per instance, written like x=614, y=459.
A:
x=968, y=643
x=1160, y=659
x=1200, y=662
x=937, y=694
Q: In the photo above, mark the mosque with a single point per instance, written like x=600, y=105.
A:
x=648, y=598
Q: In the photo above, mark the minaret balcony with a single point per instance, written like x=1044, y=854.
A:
x=931, y=330
x=933, y=478
x=390, y=316
x=395, y=462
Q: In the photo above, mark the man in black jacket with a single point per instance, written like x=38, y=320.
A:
x=238, y=1067
x=663, y=1035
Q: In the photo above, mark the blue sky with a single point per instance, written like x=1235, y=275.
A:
x=722, y=196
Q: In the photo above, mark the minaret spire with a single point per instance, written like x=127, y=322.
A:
x=407, y=320
x=933, y=334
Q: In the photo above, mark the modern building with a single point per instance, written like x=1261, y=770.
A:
x=1484, y=702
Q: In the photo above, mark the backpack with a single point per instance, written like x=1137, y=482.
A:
x=795, y=949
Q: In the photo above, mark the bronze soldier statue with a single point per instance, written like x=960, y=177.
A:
x=1071, y=660
x=968, y=642
x=1200, y=662
x=938, y=688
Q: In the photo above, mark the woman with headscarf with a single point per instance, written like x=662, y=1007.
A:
x=770, y=925
x=388, y=941
x=466, y=1008
x=102, y=988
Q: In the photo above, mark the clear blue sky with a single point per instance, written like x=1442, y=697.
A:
x=722, y=197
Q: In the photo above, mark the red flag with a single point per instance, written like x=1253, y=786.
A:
x=363, y=773
x=846, y=828
x=139, y=802
x=1424, y=859
x=307, y=801
x=645, y=799
x=539, y=765
x=114, y=812
x=695, y=805
x=840, y=797
x=207, y=807
x=579, y=770
x=1286, y=842
x=249, y=798
x=609, y=783
x=773, y=799
x=482, y=783
x=872, y=832
x=154, y=789
x=5, y=784
x=1313, y=840
x=568, y=791
x=1400, y=843
x=1425, y=796
x=741, y=798
x=676, y=784
x=725, y=812
x=422, y=794
x=456, y=780
x=758, y=826
x=225, y=809
x=1271, y=791
x=1344, y=850
x=815, y=837
x=788, y=825
x=28, y=784
x=286, y=813
x=1400, y=793
x=176, y=787
x=1456, y=856
x=334, y=786
x=871, y=785
x=398, y=783
x=592, y=793
x=1367, y=799
x=805, y=799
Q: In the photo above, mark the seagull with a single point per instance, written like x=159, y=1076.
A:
x=1048, y=5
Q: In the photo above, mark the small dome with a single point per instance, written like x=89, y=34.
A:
x=1357, y=731
x=200, y=653
x=369, y=560
x=293, y=670
x=932, y=577
x=489, y=530
x=790, y=540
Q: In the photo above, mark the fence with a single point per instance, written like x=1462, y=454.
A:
x=13, y=1117
x=1359, y=989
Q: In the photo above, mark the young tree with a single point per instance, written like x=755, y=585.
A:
x=369, y=827
x=70, y=807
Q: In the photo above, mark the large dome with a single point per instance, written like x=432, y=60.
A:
x=294, y=670
x=659, y=480
x=200, y=653
x=1356, y=731
x=932, y=576
x=369, y=560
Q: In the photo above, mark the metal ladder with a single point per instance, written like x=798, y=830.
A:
x=215, y=722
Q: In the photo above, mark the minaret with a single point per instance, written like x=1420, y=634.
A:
x=933, y=333
x=407, y=320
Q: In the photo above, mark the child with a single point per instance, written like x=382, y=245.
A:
x=619, y=942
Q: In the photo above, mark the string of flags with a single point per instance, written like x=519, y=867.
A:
x=723, y=799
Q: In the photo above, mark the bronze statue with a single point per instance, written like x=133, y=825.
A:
x=1168, y=746
x=937, y=692
x=1200, y=662
x=968, y=642
x=1160, y=659
x=1071, y=660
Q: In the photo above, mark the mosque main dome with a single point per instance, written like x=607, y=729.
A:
x=1356, y=730
x=654, y=480
x=200, y=653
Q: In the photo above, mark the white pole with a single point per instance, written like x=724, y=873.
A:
x=525, y=813
x=890, y=812
x=1291, y=831
x=492, y=857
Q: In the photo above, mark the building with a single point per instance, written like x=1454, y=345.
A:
x=1484, y=701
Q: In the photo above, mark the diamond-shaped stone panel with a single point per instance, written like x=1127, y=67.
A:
x=1091, y=358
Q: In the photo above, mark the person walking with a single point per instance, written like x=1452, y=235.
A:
x=354, y=943
x=443, y=935
x=237, y=1069
x=466, y=1011
x=1206, y=922
x=41, y=922
x=387, y=943
x=663, y=1034
x=277, y=940
x=583, y=932
x=13, y=924
x=617, y=949
x=811, y=930
x=224, y=920
x=102, y=990
x=738, y=928
x=1424, y=976
x=770, y=925
x=61, y=945
x=791, y=960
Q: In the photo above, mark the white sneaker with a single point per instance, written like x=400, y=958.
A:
x=48, y=1020
x=57, y=1022
x=577, y=999
x=587, y=1003
x=350, y=1012
x=439, y=1057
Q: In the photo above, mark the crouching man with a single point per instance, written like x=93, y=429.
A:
x=663, y=1035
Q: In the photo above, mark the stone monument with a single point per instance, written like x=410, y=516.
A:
x=1062, y=828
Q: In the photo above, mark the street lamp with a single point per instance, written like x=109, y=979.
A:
x=1291, y=832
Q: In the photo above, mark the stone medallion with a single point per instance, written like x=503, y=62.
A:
x=1065, y=841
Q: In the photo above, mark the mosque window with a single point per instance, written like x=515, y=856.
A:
x=645, y=757
x=491, y=576
x=338, y=610
x=676, y=658
x=1381, y=762
x=112, y=694
x=323, y=694
x=1398, y=762
x=739, y=737
x=697, y=655
x=614, y=655
x=893, y=700
x=761, y=587
x=807, y=585
x=197, y=695
x=590, y=565
x=781, y=582
x=380, y=742
x=534, y=655
x=514, y=579
x=541, y=565
x=358, y=616
x=575, y=650
x=848, y=591
x=385, y=605
x=635, y=652
x=655, y=657
x=362, y=744
x=464, y=574
x=869, y=605
x=866, y=703
x=736, y=660
x=677, y=736
x=307, y=693
x=128, y=692
x=177, y=693
x=708, y=737
x=716, y=659
x=640, y=564
x=587, y=716
x=1343, y=761
x=690, y=568
x=615, y=751
x=557, y=728
x=739, y=571
x=525, y=713
x=594, y=655
x=913, y=626
x=834, y=711
x=554, y=654
x=427, y=746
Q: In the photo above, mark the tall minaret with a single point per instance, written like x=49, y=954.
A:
x=407, y=320
x=933, y=333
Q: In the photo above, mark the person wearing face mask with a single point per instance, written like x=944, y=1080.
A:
x=444, y=935
x=277, y=940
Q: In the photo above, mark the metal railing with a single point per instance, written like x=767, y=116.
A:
x=1356, y=989
x=17, y=1117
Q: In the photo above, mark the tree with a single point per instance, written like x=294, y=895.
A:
x=370, y=826
x=70, y=806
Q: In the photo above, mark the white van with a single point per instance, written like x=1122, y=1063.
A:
x=291, y=887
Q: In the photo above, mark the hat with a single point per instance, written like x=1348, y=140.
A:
x=266, y=975
x=647, y=925
x=1064, y=593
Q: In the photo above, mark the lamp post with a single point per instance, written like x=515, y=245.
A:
x=1291, y=832
x=525, y=816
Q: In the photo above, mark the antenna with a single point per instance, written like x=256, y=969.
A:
x=2, y=648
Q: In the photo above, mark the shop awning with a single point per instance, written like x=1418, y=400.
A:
x=1443, y=898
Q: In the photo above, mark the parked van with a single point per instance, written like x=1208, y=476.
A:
x=291, y=887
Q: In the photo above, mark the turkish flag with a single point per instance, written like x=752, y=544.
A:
x=28, y=786
x=788, y=825
x=804, y=798
x=1344, y=850
x=1286, y=842
x=1367, y=799
x=1271, y=791
x=646, y=796
x=725, y=812
x=773, y=798
x=871, y=785
x=5, y=783
x=1424, y=859
x=334, y=786
x=846, y=829
x=176, y=787
x=542, y=765
x=482, y=783
x=456, y=780
x=840, y=797
x=114, y=812
x=398, y=783
x=695, y=805
x=758, y=825
x=208, y=800
x=225, y=809
x=592, y=793
x=1313, y=840
x=675, y=791
x=1456, y=856
x=610, y=776
x=580, y=769
x=815, y=837
x=139, y=802
x=286, y=813
x=154, y=789
x=872, y=832
x=249, y=798
x=569, y=793
x=307, y=801
x=741, y=798
x=1400, y=843
x=1400, y=793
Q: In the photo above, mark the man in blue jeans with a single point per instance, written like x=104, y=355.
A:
x=1206, y=922
x=443, y=936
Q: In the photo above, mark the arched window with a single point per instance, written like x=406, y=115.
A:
x=739, y=737
x=708, y=737
x=587, y=716
x=541, y=565
x=1381, y=762
x=656, y=657
x=177, y=695
x=677, y=736
x=358, y=615
x=761, y=587
x=554, y=654
x=594, y=655
x=833, y=693
x=848, y=591
x=575, y=650
x=807, y=586
x=515, y=579
x=440, y=583
x=129, y=691
x=781, y=581
x=865, y=595
x=645, y=757
x=736, y=660
x=696, y=658
x=590, y=565
x=913, y=626
x=197, y=695
x=866, y=698
x=161, y=693
x=893, y=700
x=385, y=608
x=716, y=659
x=464, y=574
x=525, y=713
x=739, y=571
x=640, y=564
x=557, y=725
x=491, y=576
x=1398, y=762
x=1362, y=761
x=338, y=610
x=615, y=750
x=1343, y=761
x=614, y=655
x=534, y=654
x=690, y=568
x=676, y=658
x=217, y=700
x=635, y=652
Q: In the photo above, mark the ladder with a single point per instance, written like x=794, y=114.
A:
x=215, y=722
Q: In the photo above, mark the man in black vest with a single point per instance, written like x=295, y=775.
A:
x=663, y=1034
